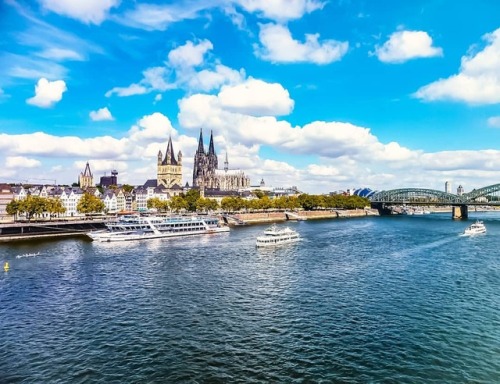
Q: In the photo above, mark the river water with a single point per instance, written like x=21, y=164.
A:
x=367, y=300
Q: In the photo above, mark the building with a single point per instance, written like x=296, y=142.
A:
x=169, y=172
x=86, y=179
x=460, y=190
x=107, y=181
x=6, y=196
x=447, y=187
x=207, y=175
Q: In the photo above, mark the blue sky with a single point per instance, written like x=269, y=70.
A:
x=323, y=95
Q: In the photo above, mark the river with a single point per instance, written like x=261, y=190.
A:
x=366, y=300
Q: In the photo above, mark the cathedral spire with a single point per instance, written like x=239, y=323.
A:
x=211, y=150
x=201, y=148
x=226, y=164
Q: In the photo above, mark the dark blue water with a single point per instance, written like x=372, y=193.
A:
x=396, y=300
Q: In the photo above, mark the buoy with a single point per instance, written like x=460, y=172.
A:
x=6, y=266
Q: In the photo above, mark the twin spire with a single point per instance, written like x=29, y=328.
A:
x=201, y=147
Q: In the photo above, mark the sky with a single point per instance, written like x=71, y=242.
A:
x=321, y=95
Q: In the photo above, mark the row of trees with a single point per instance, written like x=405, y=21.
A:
x=36, y=206
x=33, y=206
x=192, y=202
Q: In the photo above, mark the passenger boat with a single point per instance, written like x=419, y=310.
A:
x=135, y=227
x=277, y=236
x=475, y=229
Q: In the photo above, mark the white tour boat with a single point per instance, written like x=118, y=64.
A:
x=277, y=236
x=475, y=229
x=135, y=227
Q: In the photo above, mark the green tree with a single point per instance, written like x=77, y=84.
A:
x=13, y=208
x=178, y=203
x=127, y=188
x=90, y=204
x=191, y=198
x=54, y=207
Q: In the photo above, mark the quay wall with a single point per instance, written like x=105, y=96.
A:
x=270, y=217
x=48, y=229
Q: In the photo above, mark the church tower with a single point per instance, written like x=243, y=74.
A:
x=86, y=179
x=200, y=163
x=169, y=168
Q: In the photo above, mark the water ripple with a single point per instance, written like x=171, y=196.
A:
x=368, y=300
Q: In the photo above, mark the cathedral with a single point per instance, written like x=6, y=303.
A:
x=169, y=171
x=207, y=175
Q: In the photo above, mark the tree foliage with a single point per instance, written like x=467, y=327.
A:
x=90, y=204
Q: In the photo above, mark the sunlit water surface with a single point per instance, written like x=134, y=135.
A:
x=396, y=299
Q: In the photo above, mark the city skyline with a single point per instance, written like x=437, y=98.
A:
x=325, y=95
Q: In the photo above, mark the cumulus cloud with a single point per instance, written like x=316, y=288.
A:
x=478, y=81
x=278, y=45
x=494, y=121
x=101, y=114
x=281, y=9
x=21, y=162
x=406, y=45
x=183, y=70
x=87, y=11
x=47, y=93
x=189, y=54
x=257, y=98
x=152, y=127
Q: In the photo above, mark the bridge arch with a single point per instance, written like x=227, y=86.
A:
x=482, y=192
x=416, y=196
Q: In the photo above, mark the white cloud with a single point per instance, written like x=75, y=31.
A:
x=406, y=45
x=478, y=81
x=131, y=90
x=279, y=46
x=21, y=162
x=494, y=121
x=189, y=54
x=257, y=98
x=281, y=9
x=87, y=11
x=152, y=127
x=207, y=80
x=61, y=54
x=158, y=97
x=47, y=93
x=101, y=114
x=160, y=16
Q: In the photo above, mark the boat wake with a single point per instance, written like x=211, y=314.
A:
x=28, y=255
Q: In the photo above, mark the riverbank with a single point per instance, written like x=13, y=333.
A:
x=271, y=217
x=40, y=230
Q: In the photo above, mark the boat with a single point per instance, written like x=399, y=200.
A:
x=475, y=229
x=135, y=227
x=276, y=236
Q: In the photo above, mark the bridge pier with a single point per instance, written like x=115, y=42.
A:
x=459, y=212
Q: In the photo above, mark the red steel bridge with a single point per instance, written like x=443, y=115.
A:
x=384, y=201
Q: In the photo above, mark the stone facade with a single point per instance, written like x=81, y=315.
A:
x=169, y=172
x=206, y=174
x=86, y=178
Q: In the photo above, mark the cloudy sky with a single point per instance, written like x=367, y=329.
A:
x=323, y=95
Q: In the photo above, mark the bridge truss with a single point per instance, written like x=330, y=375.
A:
x=489, y=195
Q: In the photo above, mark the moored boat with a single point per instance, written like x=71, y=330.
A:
x=276, y=236
x=135, y=227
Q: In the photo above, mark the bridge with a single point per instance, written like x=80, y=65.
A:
x=384, y=201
